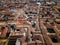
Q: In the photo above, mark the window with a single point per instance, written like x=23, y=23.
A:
x=12, y=42
x=37, y=38
x=18, y=30
x=58, y=22
x=50, y=30
x=54, y=39
x=33, y=25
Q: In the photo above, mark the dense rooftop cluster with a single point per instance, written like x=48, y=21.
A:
x=29, y=22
